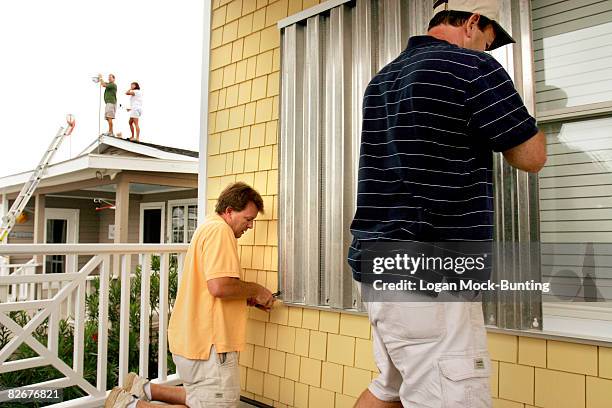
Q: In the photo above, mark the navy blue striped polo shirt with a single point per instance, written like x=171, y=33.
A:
x=431, y=120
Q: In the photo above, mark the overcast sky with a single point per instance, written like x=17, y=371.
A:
x=51, y=49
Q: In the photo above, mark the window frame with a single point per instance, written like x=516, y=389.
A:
x=185, y=203
x=588, y=316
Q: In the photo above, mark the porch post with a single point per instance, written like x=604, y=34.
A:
x=39, y=219
x=122, y=270
x=4, y=209
x=122, y=210
x=39, y=226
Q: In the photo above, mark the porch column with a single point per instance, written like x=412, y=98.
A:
x=122, y=210
x=4, y=207
x=39, y=219
x=39, y=226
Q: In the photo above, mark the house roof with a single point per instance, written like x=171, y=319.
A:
x=184, y=152
x=141, y=148
x=107, y=155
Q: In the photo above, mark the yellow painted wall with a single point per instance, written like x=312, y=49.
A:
x=308, y=358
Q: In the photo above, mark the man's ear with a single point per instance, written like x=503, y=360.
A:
x=471, y=24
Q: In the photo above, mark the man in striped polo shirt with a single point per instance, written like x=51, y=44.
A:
x=431, y=120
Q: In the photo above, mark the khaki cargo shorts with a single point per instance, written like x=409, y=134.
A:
x=109, y=110
x=430, y=354
x=210, y=383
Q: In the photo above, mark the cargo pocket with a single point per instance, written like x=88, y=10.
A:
x=412, y=322
x=465, y=381
x=227, y=393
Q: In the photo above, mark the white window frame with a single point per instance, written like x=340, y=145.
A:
x=574, y=319
x=174, y=203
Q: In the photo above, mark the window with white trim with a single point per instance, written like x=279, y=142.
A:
x=182, y=220
x=572, y=43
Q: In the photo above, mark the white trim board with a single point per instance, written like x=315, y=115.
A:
x=135, y=148
x=578, y=319
x=309, y=12
x=204, y=94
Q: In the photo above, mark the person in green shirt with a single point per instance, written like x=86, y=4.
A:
x=110, y=99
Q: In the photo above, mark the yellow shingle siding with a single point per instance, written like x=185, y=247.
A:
x=300, y=357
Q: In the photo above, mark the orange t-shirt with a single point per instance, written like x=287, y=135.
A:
x=198, y=319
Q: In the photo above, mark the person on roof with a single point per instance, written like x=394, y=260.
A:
x=110, y=100
x=135, y=109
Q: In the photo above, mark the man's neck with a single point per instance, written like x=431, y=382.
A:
x=447, y=33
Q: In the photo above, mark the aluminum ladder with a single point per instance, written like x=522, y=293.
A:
x=8, y=221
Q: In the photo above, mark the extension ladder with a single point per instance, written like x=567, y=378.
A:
x=8, y=221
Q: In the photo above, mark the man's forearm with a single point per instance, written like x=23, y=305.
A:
x=232, y=288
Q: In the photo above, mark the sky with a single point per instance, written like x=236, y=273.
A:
x=51, y=49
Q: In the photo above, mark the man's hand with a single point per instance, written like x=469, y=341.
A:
x=233, y=288
x=263, y=299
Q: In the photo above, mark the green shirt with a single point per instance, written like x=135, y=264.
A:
x=110, y=93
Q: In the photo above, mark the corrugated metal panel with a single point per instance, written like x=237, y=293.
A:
x=351, y=42
x=313, y=103
x=290, y=199
x=515, y=203
x=338, y=157
x=328, y=60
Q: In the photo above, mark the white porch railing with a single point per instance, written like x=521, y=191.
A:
x=18, y=292
x=76, y=284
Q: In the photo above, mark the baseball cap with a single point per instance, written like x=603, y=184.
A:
x=487, y=8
